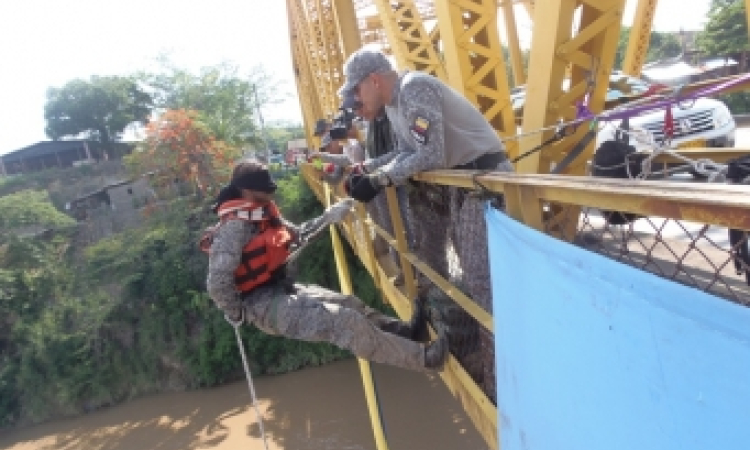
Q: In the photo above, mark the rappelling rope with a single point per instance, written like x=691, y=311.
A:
x=248, y=375
x=714, y=171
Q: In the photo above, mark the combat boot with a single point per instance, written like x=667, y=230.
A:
x=436, y=352
x=415, y=329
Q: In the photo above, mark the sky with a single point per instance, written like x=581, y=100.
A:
x=46, y=43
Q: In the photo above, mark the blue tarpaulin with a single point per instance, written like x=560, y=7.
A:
x=593, y=354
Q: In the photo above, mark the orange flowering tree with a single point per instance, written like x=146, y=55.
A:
x=180, y=148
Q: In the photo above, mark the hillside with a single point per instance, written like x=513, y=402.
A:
x=86, y=325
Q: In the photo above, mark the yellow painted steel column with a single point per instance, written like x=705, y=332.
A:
x=399, y=233
x=529, y=5
x=553, y=20
x=309, y=48
x=364, y=365
x=305, y=14
x=410, y=43
x=640, y=37
x=747, y=11
x=303, y=75
x=590, y=53
x=346, y=23
x=320, y=17
x=598, y=36
x=514, y=46
x=474, y=60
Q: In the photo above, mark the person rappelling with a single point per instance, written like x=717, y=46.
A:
x=247, y=280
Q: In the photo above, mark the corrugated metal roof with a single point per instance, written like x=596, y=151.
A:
x=42, y=149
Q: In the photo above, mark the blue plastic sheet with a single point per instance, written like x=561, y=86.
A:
x=593, y=354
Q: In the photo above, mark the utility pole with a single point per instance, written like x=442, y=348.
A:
x=262, y=125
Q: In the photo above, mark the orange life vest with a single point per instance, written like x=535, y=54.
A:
x=264, y=256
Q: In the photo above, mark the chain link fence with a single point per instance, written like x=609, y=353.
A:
x=699, y=255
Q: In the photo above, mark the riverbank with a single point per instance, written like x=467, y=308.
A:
x=314, y=409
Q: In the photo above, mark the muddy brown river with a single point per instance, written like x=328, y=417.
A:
x=320, y=408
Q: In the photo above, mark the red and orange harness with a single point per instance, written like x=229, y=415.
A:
x=264, y=256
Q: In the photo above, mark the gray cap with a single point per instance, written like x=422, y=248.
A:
x=360, y=64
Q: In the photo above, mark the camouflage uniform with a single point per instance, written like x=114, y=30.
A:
x=305, y=312
x=438, y=128
x=446, y=131
x=380, y=141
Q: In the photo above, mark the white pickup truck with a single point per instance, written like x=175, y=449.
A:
x=704, y=122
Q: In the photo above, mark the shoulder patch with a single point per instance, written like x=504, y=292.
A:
x=419, y=129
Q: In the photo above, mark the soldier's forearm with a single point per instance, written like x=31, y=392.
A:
x=399, y=170
x=372, y=164
x=293, y=228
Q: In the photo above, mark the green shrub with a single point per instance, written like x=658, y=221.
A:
x=130, y=314
x=30, y=207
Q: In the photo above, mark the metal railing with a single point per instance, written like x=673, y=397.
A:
x=675, y=230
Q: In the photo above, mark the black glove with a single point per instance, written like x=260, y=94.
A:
x=351, y=181
x=366, y=188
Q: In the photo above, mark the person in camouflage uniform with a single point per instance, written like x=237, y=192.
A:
x=298, y=311
x=435, y=128
x=379, y=141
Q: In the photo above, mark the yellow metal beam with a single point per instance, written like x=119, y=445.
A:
x=477, y=405
x=719, y=155
x=312, y=52
x=514, y=45
x=474, y=60
x=552, y=23
x=590, y=53
x=715, y=204
x=321, y=17
x=364, y=366
x=529, y=5
x=640, y=37
x=402, y=246
x=410, y=43
x=346, y=24
x=303, y=76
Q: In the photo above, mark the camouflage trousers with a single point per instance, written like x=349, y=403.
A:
x=453, y=218
x=315, y=314
x=446, y=215
x=449, y=218
x=378, y=211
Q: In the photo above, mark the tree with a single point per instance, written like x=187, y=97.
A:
x=179, y=146
x=661, y=46
x=100, y=108
x=280, y=135
x=726, y=32
x=226, y=100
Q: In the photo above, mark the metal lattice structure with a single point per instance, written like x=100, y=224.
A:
x=640, y=36
x=679, y=233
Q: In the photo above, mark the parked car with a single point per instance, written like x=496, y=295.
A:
x=704, y=122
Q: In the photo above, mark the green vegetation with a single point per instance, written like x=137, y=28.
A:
x=84, y=328
x=226, y=98
x=661, y=46
x=101, y=108
x=726, y=35
x=30, y=208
